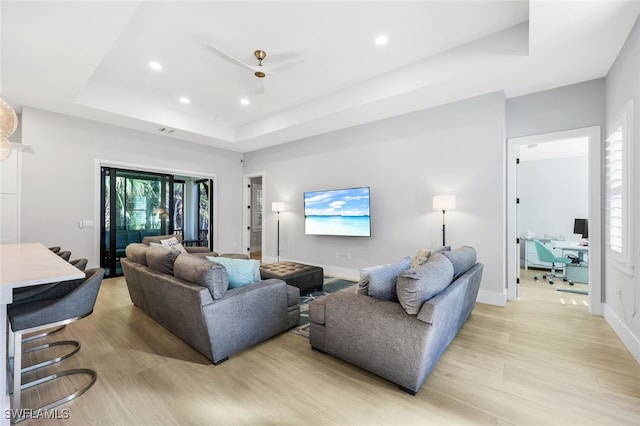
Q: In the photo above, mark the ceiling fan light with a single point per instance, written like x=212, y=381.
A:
x=244, y=101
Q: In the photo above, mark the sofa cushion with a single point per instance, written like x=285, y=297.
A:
x=382, y=280
x=161, y=259
x=417, y=285
x=442, y=249
x=158, y=238
x=462, y=258
x=241, y=272
x=202, y=272
x=137, y=252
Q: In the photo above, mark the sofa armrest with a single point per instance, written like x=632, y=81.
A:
x=374, y=334
x=356, y=317
x=454, y=304
x=245, y=316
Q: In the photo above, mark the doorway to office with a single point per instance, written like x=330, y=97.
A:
x=552, y=180
x=253, y=197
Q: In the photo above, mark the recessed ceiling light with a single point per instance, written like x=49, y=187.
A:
x=184, y=100
x=155, y=66
x=381, y=40
x=244, y=101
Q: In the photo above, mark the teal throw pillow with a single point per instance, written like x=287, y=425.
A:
x=241, y=272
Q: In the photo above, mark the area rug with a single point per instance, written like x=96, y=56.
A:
x=330, y=285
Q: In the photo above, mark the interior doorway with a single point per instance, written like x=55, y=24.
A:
x=253, y=219
x=554, y=179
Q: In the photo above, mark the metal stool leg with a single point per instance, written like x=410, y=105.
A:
x=17, y=371
x=43, y=334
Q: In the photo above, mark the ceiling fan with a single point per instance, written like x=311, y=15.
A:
x=259, y=70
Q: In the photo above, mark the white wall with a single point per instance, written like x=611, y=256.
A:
x=59, y=177
x=564, y=108
x=553, y=192
x=623, y=291
x=456, y=148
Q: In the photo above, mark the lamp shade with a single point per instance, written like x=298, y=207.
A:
x=444, y=202
x=277, y=206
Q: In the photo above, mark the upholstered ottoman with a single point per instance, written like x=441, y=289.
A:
x=306, y=277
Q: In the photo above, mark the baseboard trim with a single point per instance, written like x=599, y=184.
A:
x=620, y=328
x=492, y=298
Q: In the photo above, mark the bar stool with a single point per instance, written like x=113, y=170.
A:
x=62, y=304
x=27, y=294
x=66, y=255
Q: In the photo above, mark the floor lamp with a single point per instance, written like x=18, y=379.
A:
x=444, y=203
x=278, y=207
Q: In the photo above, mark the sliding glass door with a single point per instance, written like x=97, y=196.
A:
x=137, y=204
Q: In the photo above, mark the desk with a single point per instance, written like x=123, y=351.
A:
x=575, y=272
x=23, y=265
x=570, y=246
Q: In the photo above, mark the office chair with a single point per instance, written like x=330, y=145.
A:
x=546, y=255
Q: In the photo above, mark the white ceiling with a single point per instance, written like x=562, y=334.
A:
x=90, y=59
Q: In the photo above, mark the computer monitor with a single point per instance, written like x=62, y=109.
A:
x=581, y=226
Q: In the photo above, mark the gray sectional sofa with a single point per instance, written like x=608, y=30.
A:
x=402, y=338
x=190, y=297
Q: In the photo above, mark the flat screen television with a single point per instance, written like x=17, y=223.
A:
x=343, y=212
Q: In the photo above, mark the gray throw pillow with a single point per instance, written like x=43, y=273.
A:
x=382, y=281
x=202, y=272
x=161, y=259
x=417, y=285
x=363, y=284
x=462, y=258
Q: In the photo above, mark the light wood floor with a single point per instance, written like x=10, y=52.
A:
x=540, y=361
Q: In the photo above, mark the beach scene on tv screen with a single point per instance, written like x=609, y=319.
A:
x=337, y=212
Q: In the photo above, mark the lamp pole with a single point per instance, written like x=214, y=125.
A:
x=443, y=243
x=278, y=207
x=444, y=203
x=278, y=248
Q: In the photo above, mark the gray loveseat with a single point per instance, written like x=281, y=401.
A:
x=400, y=339
x=190, y=297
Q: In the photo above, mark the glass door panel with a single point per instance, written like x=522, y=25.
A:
x=136, y=205
x=205, y=212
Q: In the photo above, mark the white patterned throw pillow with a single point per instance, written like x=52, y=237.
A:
x=173, y=244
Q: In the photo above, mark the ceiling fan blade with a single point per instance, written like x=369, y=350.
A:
x=259, y=86
x=228, y=57
x=274, y=69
